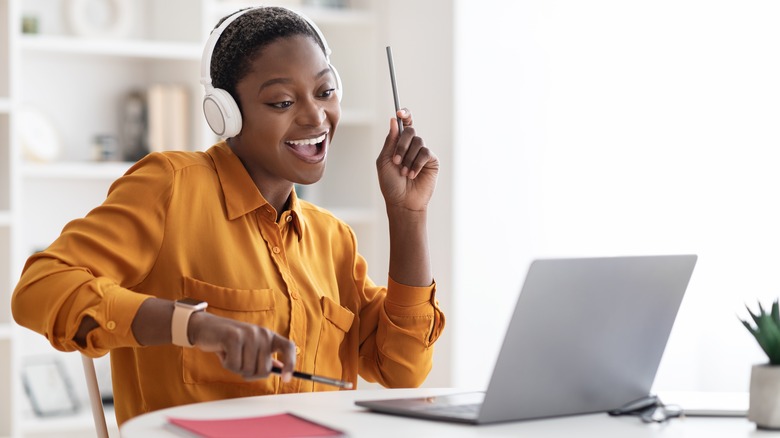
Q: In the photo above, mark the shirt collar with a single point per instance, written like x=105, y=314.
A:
x=241, y=194
x=297, y=215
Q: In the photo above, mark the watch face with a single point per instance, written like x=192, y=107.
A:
x=191, y=302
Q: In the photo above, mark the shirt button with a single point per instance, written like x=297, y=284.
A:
x=110, y=325
x=288, y=218
x=294, y=295
x=276, y=250
x=297, y=350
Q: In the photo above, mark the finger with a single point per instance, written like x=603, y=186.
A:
x=402, y=148
x=264, y=360
x=286, y=350
x=390, y=140
x=406, y=119
x=267, y=362
x=424, y=157
x=249, y=359
x=411, y=155
x=405, y=115
x=232, y=350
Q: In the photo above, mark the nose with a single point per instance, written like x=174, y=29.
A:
x=310, y=112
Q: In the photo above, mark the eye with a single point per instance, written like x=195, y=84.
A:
x=281, y=105
x=327, y=93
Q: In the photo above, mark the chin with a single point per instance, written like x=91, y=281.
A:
x=309, y=179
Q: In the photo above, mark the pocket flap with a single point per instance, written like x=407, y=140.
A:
x=239, y=300
x=341, y=317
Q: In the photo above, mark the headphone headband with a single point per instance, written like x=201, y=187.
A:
x=211, y=43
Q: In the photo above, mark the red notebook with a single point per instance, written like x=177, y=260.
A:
x=281, y=425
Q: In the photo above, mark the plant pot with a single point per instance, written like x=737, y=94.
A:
x=764, y=407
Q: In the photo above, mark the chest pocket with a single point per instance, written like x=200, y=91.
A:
x=336, y=322
x=254, y=306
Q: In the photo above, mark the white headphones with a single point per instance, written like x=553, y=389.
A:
x=219, y=107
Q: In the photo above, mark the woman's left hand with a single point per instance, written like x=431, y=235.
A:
x=407, y=169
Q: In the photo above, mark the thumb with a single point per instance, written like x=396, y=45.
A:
x=286, y=350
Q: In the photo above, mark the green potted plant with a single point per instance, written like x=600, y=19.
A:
x=764, y=407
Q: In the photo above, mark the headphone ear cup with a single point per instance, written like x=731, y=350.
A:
x=222, y=113
x=340, y=90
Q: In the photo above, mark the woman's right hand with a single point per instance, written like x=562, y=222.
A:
x=243, y=348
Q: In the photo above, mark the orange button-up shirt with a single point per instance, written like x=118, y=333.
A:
x=183, y=224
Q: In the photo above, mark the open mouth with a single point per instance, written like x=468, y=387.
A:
x=310, y=150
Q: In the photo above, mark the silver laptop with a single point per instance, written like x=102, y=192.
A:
x=586, y=336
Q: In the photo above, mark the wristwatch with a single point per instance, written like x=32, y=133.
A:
x=182, y=311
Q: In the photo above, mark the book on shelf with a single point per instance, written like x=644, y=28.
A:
x=168, y=116
x=278, y=426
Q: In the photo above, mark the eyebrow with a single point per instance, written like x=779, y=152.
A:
x=274, y=81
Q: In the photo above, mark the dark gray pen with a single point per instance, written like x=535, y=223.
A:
x=396, y=99
x=316, y=378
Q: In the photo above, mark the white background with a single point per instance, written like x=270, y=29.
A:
x=618, y=127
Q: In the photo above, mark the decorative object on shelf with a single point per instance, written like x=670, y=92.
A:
x=764, y=409
x=48, y=387
x=30, y=24
x=240, y=4
x=100, y=18
x=336, y=4
x=105, y=147
x=39, y=138
x=168, y=117
x=134, y=126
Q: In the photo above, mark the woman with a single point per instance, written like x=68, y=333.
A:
x=202, y=270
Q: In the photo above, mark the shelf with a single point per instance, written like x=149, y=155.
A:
x=75, y=170
x=5, y=331
x=80, y=422
x=323, y=16
x=108, y=47
x=354, y=216
x=5, y=218
x=5, y=105
x=327, y=16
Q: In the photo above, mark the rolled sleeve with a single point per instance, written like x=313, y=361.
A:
x=401, y=353
x=114, y=316
x=416, y=302
x=405, y=298
x=92, y=267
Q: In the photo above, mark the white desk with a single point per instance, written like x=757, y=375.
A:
x=336, y=409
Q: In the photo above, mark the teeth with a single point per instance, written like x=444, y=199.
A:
x=307, y=141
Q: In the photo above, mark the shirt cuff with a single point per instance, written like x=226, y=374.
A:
x=115, y=319
x=403, y=300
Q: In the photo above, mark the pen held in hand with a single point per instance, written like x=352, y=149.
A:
x=396, y=99
x=315, y=378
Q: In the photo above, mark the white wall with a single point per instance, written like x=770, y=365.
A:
x=610, y=127
x=420, y=34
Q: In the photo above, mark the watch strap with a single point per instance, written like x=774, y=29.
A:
x=180, y=324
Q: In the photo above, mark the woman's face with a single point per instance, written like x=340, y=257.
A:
x=289, y=111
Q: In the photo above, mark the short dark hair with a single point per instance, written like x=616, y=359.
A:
x=243, y=40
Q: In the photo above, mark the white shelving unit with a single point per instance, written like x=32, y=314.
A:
x=79, y=82
x=7, y=207
x=73, y=426
x=75, y=170
x=164, y=50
